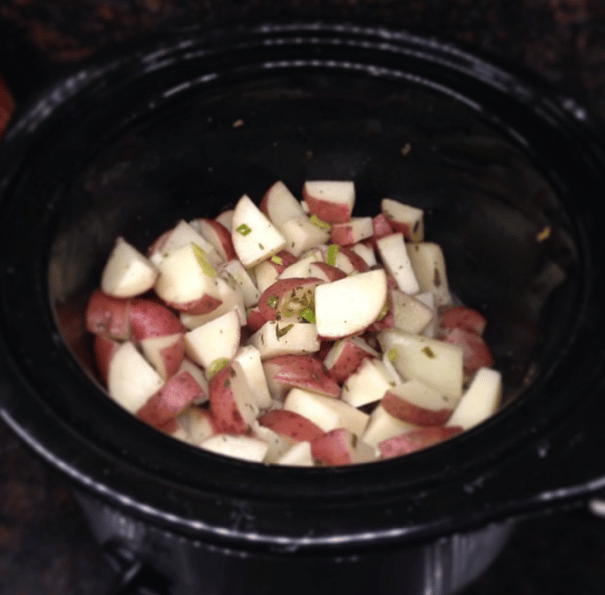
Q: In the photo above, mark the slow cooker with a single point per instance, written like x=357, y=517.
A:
x=510, y=174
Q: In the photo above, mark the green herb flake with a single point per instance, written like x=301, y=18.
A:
x=277, y=259
x=308, y=315
x=392, y=354
x=384, y=311
x=203, y=261
x=317, y=221
x=272, y=301
x=216, y=366
x=280, y=332
x=428, y=352
x=243, y=229
x=332, y=253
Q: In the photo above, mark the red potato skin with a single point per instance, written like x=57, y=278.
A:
x=333, y=448
x=203, y=305
x=290, y=424
x=280, y=290
x=103, y=349
x=342, y=234
x=287, y=258
x=476, y=353
x=330, y=272
x=223, y=405
x=330, y=212
x=420, y=416
x=465, y=318
x=348, y=361
x=174, y=397
x=381, y=226
x=302, y=371
x=149, y=318
x=415, y=440
x=358, y=263
x=170, y=427
x=108, y=315
x=224, y=236
x=254, y=319
x=173, y=356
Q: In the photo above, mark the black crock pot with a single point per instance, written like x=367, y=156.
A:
x=511, y=176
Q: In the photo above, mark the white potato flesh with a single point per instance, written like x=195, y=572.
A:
x=434, y=362
x=279, y=338
x=182, y=279
x=326, y=412
x=410, y=314
x=215, y=340
x=131, y=379
x=278, y=445
x=249, y=359
x=383, y=425
x=428, y=263
x=265, y=274
x=428, y=299
x=234, y=270
x=254, y=236
x=405, y=215
x=368, y=384
x=280, y=204
x=127, y=272
x=183, y=234
x=302, y=234
x=396, y=261
x=349, y=305
x=420, y=394
x=159, y=350
x=197, y=423
x=302, y=267
x=237, y=446
x=298, y=455
x=480, y=401
x=366, y=252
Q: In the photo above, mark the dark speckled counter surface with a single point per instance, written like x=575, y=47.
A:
x=45, y=544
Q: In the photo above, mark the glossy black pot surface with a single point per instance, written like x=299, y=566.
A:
x=510, y=175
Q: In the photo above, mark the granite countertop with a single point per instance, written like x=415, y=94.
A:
x=45, y=544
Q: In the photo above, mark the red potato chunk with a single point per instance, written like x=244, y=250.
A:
x=107, y=315
x=404, y=410
x=330, y=201
x=301, y=371
x=217, y=234
x=475, y=351
x=322, y=270
x=152, y=319
x=290, y=424
x=173, y=398
x=465, y=318
x=340, y=447
x=254, y=319
x=415, y=440
x=104, y=349
x=345, y=357
x=381, y=227
x=232, y=403
x=287, y=299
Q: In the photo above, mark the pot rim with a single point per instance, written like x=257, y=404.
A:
x=340, y=508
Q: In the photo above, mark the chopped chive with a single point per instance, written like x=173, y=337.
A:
x=216, y=366
x=332, y=253
x=428, y=352
x=280, y=332
x=203, y=261
x=277, y=259
x=384, y=311
x=272, y=301
x=308, y=315
x=243, y=229
x=392, y=354
x=317, y=221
